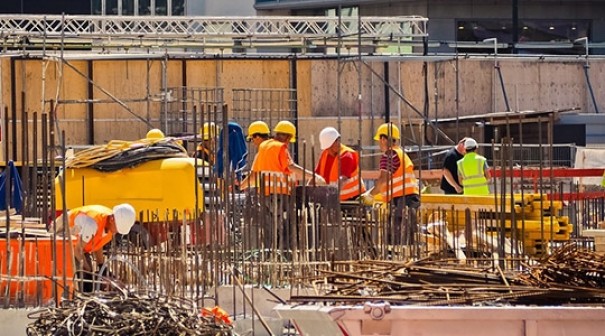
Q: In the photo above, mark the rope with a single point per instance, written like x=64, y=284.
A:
x=126, y=153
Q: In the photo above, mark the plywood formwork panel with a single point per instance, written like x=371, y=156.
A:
x=542, y=86
x=202, y=73
x=597, y=78
x=442, y=88
x=562, y=86
x=476, y=90
x=36, y=83
x=304, y=87
x=325, y=84
x=129, y=79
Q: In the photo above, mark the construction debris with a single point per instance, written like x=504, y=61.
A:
x=126, y=314
x=568, y=277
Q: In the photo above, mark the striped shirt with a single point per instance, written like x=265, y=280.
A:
x=389, y=161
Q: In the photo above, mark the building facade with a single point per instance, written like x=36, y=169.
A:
x=131, y=7
x=523, y=27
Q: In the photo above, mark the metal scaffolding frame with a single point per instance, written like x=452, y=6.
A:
x=203, y=32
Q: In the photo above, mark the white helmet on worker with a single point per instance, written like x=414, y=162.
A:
x=470, y=143
x=85, y=226
x=327, y=137
x=124, y=217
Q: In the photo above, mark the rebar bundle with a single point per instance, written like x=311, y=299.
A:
x=568, y=277
x=570, y=267
x=125, y=314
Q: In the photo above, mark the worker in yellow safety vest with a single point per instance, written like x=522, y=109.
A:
x=473, y=170
x=397, y=184
x=95, y=226
x=349, y=180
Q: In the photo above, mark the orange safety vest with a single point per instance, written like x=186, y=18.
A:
x=274, y=174
x=351, y=188
x=99, y=213
x=403, y=181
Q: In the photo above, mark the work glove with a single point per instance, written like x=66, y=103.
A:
x=367, y=199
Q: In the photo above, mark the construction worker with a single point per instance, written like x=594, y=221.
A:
x=327, y=167
x=397, y=184
x=473, y=171
x=95, y=225
x=273, y=174
x=155, y=134
x=449, y=178
x=207, y=147
x=258, y=132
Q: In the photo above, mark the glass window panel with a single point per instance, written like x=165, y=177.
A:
x=178, y=7
x=127, y=7
x=161, y=7
x=144, y=7
x=111, y=7
x=95, y=7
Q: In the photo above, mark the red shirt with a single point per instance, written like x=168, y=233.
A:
x=347, y=165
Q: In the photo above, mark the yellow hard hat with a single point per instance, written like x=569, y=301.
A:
x=259, y=127
x=155, y=134
x=388, y=130
x=286, y=127
x=208, y=131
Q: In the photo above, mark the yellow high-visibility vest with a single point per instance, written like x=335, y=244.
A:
x=472, y=170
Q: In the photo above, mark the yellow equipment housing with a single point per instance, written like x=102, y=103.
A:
x=165, y=185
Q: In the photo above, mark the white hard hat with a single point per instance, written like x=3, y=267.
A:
x=85, y=226
x=124, y=216
x=470, y=143
x=327, y=136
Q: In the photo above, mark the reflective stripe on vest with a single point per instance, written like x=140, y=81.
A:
x=403, y=181
x=471, y=168
x=274, y=175
x=351, y=188
x=100, y=214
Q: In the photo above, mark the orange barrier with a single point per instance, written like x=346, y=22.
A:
x=30, y=277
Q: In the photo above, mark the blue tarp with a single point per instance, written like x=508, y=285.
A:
x=16, y=197
x=238, y=151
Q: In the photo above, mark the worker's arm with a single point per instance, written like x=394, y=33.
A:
x=380, y=183
x=99, y=257
x=305, y=174
x=487, y=172
x=451, y=180
x=245, y=184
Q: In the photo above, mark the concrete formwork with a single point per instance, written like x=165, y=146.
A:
x=326, y=90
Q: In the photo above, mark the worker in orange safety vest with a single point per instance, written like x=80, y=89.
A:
x=272, y=177
x=333, y=152
x=95, y=226
x=397, y=184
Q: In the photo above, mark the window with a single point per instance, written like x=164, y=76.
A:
x=534, y=35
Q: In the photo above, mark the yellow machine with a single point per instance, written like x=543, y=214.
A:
x=154, y=175
x=163, y=186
